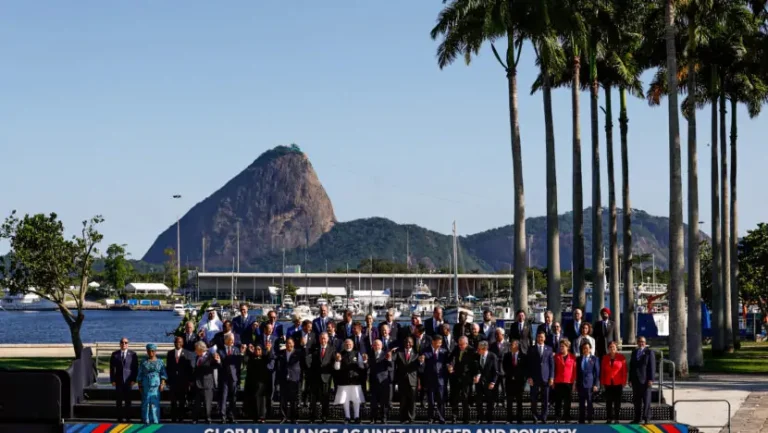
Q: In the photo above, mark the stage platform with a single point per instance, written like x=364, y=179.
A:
x=376, y=428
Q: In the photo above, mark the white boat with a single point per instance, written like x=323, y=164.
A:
x=288, y=301
x=337, y=303
x=321, y=301
x=451, y=314
x=179, y=310
x=303, y=312
x=26, y=302
x=421, y=300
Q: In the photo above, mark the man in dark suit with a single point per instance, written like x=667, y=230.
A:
x=521, y=332
x=515, y=373
x=485, y=382
x=555, y=337
x=488, y=327
x=642, y=370
x=449, y=343
x=277, y=328
x=541, y=376
x=319, y=325
x=178, y=366
x=304, y=337
x=461, y=371
x=295, y=326
x=333, y=339
x=475, y=337
x=546, y=327
x=203, y=381
x=603, y=331
x=573, y=328
x=289, y=364
x=389, y=320
x=360, y=343
x=462, y=327
x=407, y=380
x=230, y=363
x=433, y=324
x=123, y=369
x=268, y=334
x=408, y=331
x=587, y=381
x=420, y=341
x=319, y=375
x=381, y=368
x=344, y=328
x=499, y=347
x=242, y=324
x=434, y=369
x=388, y=342
x=190, y=336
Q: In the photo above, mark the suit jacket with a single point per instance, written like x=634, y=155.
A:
x=370, y=337
x=544, y=329
x=342, y=331
x=499, y=349
x=422, y=344
x=613, y=373
x=434, y=370
x=449, y=343
x=293, y=329
x=603, y=336
x=572, y=330
x=524, y=337
x=460, y=330
x=475, y=340
x=488, y=331
x=240, y=326
x=179, y=373
x=318, y=325
x=335, y=341
x=277, y=328
x=541, y=368
x=273, y=339
x=406, y=372
x=381, y=370
x=488, y=372
x=565, y=369
x=643, y=369
x=311, y=340
x=553, y=341
x=230, y=365
x=189, y=341
x=589, y=375
x=321, y=368
x=289, y=369
x=429, y=327
x=394, y=328
x=515, y=374
x=390, y=344
x=203, y=371
x=122, y=371
x=361, y=343
x=464, y=367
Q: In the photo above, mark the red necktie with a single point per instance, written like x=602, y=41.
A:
x=407, y=356
x=322, y=353
x=177, y=357
x=229, y=351
x=199, y=361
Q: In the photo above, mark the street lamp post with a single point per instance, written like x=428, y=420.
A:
x=178, y=244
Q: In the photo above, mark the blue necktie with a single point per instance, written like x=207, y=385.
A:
x=584, y=364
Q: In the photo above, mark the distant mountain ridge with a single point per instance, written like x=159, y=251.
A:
x=280, y=203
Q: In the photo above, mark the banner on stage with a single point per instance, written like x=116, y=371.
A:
x=376, y=428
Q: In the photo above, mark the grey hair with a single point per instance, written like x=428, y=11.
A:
x=201, y=345
x=464, y=339
x=189, y=322
x=482, y=345
x=324, y=333
x=475, y=325
x=501, y=330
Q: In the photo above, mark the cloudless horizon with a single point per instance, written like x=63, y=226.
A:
x=112, y=108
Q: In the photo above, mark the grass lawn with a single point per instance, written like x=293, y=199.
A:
x=41, y=363
x=752, y=358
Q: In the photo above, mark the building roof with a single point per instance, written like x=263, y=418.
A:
x=147, y=287
x=314, y=291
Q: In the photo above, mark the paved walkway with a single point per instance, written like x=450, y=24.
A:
x=752, y=416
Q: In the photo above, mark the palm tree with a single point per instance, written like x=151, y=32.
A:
x=465, y=25
x=676, y=293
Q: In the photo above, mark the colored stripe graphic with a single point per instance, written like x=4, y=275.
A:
x=622, y=428
x=151, y=428
x=75, y=428
x=671, y=428
x=653, y=428
x=120, y=428
x=102, y=428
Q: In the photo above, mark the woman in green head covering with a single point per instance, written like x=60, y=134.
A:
x=151, y=378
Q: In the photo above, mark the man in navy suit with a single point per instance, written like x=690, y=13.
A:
x=320, y=372
x=277, y=328
x=319, y=325
x=541, y=376
x=546, y=327
x=485, y=382
x=434, y=369
x=230, y=362
x=387, y=341
x=389, y=320
x=433, y=324
x=359, y=340
x=382, y=368
x=203, y=367
x=573, y=328
x=521, y=332
x=268, y=334
x=289, y=365
x=178, y=365
x=242, y=324
x=555, y=337
x=123, y=369
x=295, y=327
x=344, y=328
x=642, y=370
x=587, y=381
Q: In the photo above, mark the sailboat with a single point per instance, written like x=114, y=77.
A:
x=453, y=309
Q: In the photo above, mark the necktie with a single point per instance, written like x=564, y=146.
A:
x=482, y=362
x=384, y=343
x=557, y=339
x=199, y=361
x=514, y=360
x=541, y=350
x=229, y=351
x=461, y=354
x=177, y=357
x=123, y=356
x=322, y=353
x=584, y=363
x=639, y=354
x=520, y=328
x=407, y=356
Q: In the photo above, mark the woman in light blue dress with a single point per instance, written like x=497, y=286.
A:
x=151, y=379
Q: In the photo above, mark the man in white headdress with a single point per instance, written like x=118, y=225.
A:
x=211, y=324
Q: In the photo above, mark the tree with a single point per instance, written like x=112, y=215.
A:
x=676, y=294
x=753, y=258
x=465, y=25
x=171, y=277
x=116, y=268
x=43, y=262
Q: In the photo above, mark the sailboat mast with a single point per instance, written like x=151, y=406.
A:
x=455, y=265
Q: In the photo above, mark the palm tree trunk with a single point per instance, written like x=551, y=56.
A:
x=613, y=239
x=725, y=257
x=553, y=231
x=717, y=295
x=629, y=293
x=734, y=232
x=695, y=353
x=521, y=283
x=598, y=286
x=676, y=293
x=579, y=297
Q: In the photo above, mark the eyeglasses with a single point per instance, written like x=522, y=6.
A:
x=123, y=342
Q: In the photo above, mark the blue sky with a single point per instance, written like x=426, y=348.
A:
x=112, y=107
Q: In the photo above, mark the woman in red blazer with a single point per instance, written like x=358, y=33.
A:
x=565, y=380
x=613, y=377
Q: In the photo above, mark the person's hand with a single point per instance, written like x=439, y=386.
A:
x=268, y=345
x=131, y=384
x=162, y=386
x=491, y=385
x=338, y=357
x=114, y=383
x=365, y=357
x=201, y=334
x=217, y=357
x=388, y=356
x=450, y=369
x=594, y=389
x=551, y=382
x=530, y=382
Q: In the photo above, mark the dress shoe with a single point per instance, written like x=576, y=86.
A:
x=261, y=421
x=357, y=421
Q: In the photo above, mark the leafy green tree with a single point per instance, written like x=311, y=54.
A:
x=753, y=258
x=116, y=268
x=171, y=276
x=44, y=262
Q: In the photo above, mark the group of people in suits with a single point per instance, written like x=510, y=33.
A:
x=461, y=364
